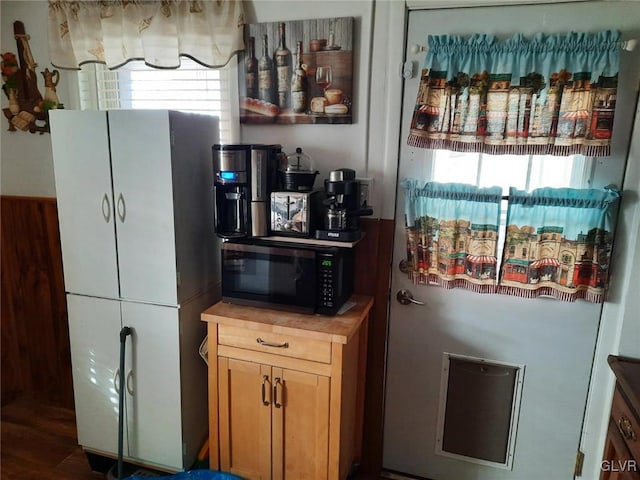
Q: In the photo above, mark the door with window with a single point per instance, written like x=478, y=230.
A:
x=483, y=386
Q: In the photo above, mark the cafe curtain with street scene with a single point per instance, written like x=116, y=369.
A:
x=159, y=32
x=452, y=234
x=558, y=243
x=542, y=95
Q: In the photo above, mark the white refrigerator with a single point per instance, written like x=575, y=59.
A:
x=135, y=207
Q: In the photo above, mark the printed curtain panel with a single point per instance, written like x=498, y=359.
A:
x=452, y=233
x=558, y=243
x=545, y=95
x=159, y=32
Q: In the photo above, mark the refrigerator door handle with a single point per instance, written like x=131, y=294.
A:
x=122, y=208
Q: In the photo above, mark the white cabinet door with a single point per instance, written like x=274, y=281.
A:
x=94, y=333
x=154, y=399
x=142, y=184
x=85, y=202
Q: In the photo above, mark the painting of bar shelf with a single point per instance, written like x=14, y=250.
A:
x=297, y=72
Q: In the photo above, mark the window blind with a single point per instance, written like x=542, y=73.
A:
x=190, y=88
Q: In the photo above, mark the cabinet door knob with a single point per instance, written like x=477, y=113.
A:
x=116, y=381
x=626, y=429
x=129, y=380
x=106, y=208
x=265, y=379
x=122, y=208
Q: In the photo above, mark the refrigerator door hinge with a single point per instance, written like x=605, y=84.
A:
x=577, y=471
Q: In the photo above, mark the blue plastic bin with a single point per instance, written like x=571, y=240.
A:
x=192, y=475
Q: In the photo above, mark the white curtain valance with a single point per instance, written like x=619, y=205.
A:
x=115, y=32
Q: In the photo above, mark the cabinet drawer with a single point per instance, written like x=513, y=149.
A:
x=627, y=423
x=276, y=343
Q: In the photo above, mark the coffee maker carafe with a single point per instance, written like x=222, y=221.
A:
x=244, y=176
x=343, y=207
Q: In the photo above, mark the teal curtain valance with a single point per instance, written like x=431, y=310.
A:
x=545, y=94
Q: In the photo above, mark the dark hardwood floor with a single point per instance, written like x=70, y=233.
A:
x=38, y=442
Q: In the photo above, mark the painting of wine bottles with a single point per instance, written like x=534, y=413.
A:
x=297, y=72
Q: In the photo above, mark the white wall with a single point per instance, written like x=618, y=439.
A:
x=620, y=322
x=628, y=279
x=26, y=165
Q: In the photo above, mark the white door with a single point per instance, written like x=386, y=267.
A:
x=94, y=334
x=153, y=384
x=554, y=340
x=143, y=194
x=85, y=202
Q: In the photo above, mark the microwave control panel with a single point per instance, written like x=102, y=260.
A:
x=327, y=284
x=335, y=280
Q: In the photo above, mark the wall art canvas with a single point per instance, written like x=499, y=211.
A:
x=297, y=72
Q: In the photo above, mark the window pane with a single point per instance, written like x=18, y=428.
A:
x=557, y=172
x=504, y=171
x=525, y=172
x=190, y=88
x=455, y=167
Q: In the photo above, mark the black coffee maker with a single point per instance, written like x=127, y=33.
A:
x=343, y=207
x=244, y=176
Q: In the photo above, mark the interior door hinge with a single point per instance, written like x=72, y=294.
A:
x=407, y=69
x=577, y=471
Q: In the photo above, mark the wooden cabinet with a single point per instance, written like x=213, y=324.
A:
x=286, y=391
x=622, y=449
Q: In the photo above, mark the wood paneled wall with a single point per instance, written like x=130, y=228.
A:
x=35, y=338
x=373, y=277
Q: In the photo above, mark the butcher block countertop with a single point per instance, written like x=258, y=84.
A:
x=336, y=329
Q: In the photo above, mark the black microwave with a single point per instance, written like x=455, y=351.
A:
x=295, y=277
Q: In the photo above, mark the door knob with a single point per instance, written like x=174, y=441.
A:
x=405, y=298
